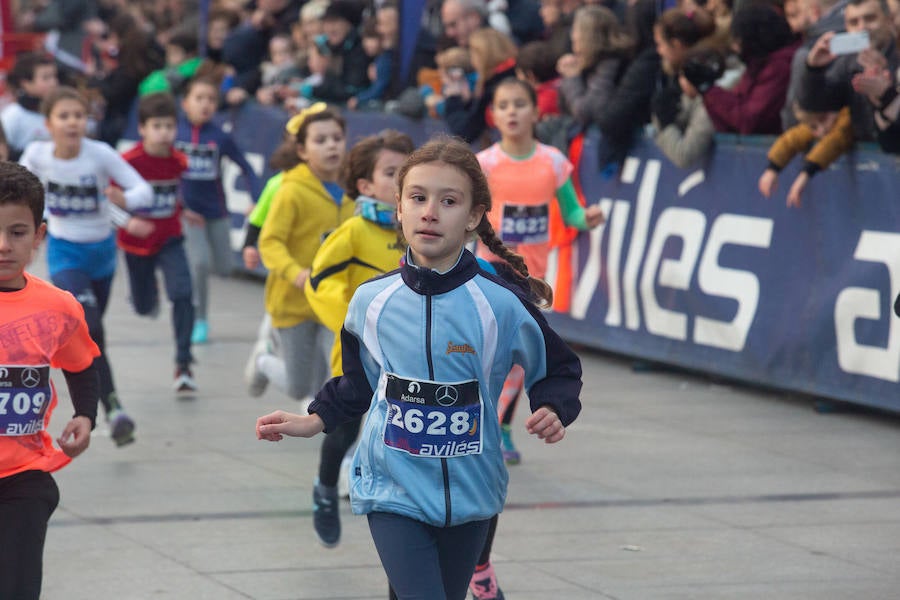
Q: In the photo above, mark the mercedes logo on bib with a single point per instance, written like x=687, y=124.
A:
x=30, y=377
x=446, y=395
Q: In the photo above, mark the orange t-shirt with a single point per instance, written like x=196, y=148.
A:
x=523, y=192
x=41, y=327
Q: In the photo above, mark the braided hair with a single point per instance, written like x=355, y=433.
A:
x=456, y=153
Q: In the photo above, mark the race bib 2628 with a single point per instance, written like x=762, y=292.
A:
x=433, y=419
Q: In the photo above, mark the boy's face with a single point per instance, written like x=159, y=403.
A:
x=175, y=55
x=371, y=45
x=335, y=30
x=820, y=122
x=43, y=82
x=158, y=134
x=200, y=103
x=18, y=241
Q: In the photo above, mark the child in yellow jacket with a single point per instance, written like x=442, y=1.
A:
x=823, y=125
x=363, y=247
x=308, y=206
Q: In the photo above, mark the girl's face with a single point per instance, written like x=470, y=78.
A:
x=200, y=103
x=67, y=123
x=42, y=83
x=578, y=38
x=671, y=52
x=280, y=51
x=383, y=185
x=514, y=113
x=437, y=214
x=323, y=149
x=218, y=31
x=476, y=56
x=386, y=22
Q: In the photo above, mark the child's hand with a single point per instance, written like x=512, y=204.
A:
x=274, y=426
x=236, y=96
x=139, y=228
x=872, y=60
x=545, y=424
x=265, y=95
x=193, y=218
x=250, y=254
x=352, y=103
x=568, y=65
x=116, y=196
x=76, y=436
x=872, y=84
x=593, y=216
x=794, y=195
x=301, y=279
x=767, y=182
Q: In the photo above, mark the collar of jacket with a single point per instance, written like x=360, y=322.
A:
x=429, y=282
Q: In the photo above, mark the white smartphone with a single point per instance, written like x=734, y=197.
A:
x=849, y=43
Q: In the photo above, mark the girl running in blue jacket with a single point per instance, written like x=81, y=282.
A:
x=428, y=347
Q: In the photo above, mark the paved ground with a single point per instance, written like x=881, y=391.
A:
x=668, y=487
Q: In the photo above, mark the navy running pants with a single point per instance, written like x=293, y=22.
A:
x=172, y=261
x=93, y=294
x=424, y=562
x=27, y=500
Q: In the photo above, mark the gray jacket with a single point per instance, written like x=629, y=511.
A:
x=689, y=139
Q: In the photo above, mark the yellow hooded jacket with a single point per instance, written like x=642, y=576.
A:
x=303, y=213
x=355, y=252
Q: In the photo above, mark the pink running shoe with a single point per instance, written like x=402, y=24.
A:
x=484, y=584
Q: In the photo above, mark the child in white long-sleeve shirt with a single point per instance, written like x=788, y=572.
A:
x=81, y=246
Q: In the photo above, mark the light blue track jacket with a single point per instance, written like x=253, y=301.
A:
x=429, y=353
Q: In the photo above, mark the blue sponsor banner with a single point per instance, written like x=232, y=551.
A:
x=695, y=268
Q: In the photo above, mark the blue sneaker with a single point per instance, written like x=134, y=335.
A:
x=121, y=428
x=511, y=456
x=326, y=515
x=200, y=335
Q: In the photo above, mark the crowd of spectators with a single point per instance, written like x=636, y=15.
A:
x=682, y=69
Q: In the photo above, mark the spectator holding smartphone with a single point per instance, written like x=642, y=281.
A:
x=832, y=74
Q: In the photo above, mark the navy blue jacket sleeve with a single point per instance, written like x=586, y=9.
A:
x=348, y=396
x=561, y=386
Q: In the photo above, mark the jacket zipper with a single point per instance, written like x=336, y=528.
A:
x=444, y=467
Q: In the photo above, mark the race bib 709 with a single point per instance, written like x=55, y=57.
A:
x=24, y=397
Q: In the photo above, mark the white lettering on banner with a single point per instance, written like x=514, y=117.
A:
x=688, y=224
x=634, y=287
x=742, y=286
x=240, y=201
x=589, y=277
x=865, y=303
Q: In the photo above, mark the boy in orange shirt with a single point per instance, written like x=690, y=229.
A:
x=41, y=327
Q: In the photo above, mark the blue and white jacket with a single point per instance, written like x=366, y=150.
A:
x=427, y=353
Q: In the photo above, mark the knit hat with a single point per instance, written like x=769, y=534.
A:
x=348, y=10
x=820, y=100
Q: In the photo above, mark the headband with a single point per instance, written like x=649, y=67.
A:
x=296, y=122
